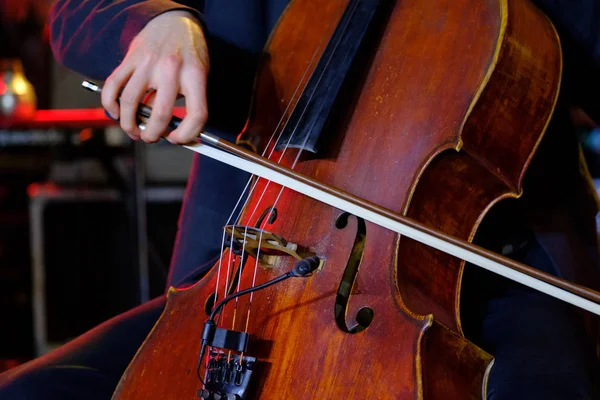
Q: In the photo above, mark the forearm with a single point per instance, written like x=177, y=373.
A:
x=92, y=36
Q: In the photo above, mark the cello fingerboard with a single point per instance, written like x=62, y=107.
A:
x=310, y=114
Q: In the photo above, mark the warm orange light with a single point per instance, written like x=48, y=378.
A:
x=85, y=134
x=19, y=85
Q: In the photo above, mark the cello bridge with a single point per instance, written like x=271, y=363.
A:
x=246, y=239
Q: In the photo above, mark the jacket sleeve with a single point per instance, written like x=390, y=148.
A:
x=578, y=26
x=91, y=37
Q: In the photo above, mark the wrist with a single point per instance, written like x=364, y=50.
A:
x=141, y=15
x=179, y=13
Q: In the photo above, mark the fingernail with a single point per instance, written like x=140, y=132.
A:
x=111, y=115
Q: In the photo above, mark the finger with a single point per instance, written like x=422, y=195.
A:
x=193, y=87
x=162, y=111
x=132, y=137
x=164, y=101
x=130, y=100
x=112, y=88
x=149, y=99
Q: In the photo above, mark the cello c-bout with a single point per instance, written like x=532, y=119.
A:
x=438, y=119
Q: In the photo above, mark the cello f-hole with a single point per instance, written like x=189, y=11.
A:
x=365, y=315
x=209, y=304
x=271, y=212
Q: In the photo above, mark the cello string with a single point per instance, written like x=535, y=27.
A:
x=216, y=296
x=231, y=259
x=331, y=27
x=299, y=153
x=256, y=181
x=296, y=160
x=260, y=238
x=252, y=189
x=241, y=262
x=271, y=152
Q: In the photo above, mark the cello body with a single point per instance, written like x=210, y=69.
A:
x=438, y=121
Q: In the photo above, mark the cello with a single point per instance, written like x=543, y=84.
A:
x=419, y=109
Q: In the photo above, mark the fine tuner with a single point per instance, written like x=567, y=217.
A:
x=213, y=147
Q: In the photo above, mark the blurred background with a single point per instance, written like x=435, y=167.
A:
x=87, y=217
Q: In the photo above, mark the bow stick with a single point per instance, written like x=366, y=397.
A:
x=213, y=147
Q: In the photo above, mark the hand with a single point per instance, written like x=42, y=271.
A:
x=169, y=56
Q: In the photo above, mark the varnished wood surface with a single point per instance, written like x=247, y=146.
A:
x=498, y=141
x=417, y=135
